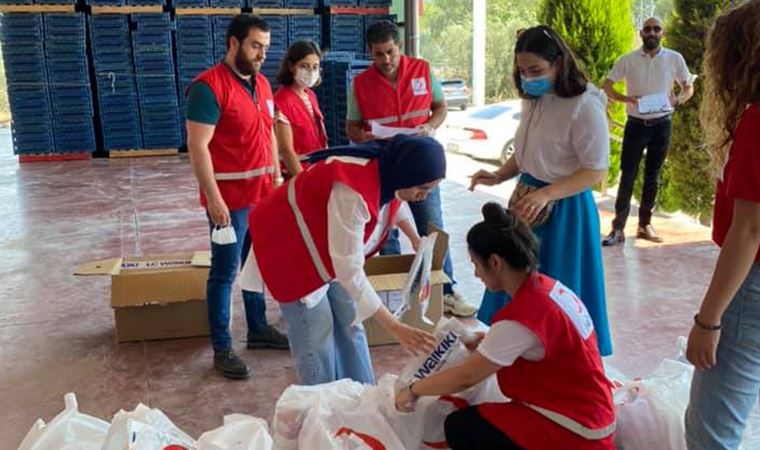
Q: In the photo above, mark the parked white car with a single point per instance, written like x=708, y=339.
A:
x=486, y=132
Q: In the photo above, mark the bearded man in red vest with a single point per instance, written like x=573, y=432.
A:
x=233, y=153
x=402, y=92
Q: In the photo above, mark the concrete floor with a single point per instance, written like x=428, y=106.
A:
x=57, y=334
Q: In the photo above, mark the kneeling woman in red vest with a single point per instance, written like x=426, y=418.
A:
x=542, y=347
x=299, y=124
x=309, y=240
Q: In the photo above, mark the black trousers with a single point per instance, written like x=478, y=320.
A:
x=467, y=429
x=655, y=137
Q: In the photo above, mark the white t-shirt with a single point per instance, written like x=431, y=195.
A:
x=648, y=75
x=557, y=136
x=508, y=340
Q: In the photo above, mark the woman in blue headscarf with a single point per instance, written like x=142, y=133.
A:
x=309, y=241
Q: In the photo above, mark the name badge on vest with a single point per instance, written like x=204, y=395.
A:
x=419, y=86
x=574, y=308
x=270, y=107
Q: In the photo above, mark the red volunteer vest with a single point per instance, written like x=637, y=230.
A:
x=284, y=259
x=406, y=105
x=241, y=148
x=569, y=380
x=309, y=132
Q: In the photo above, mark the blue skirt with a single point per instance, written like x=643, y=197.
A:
x=570, y=252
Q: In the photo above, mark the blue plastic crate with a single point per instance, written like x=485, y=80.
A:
x=227, y=3
x=189, y=3
x=339, y=2
x=301, y=3
x=265, y=3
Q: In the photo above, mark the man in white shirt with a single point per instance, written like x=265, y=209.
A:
x=650, y=73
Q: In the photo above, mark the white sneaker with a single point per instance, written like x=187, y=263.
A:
x=456, y=305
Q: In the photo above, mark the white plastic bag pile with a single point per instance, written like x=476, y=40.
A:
x=141, y=429
x=348, y=415
x=650, y=410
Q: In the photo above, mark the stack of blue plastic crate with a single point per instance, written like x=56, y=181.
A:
x=69, y=82
x=344, y=33
x=309, y=4
x=219, y=26
x=116, y=87
x=278, y=26
x=305, y=28
x=338, y=69
x=28, y=93
x=156, y=88
x=195, y=53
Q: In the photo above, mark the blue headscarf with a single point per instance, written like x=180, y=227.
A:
x=405, y=161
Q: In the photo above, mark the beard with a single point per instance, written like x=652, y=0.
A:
x=245, y=66
x=651, y=43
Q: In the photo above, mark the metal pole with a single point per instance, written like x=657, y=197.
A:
x=479, y=52
x=411, y=34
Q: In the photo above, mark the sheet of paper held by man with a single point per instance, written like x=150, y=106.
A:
x=382, y=132
x=655, y=103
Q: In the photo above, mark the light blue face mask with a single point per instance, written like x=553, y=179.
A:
x=536, y=87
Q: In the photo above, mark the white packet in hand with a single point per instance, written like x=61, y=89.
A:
x=223, y=235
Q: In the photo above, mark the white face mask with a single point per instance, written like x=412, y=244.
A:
x=307, y=78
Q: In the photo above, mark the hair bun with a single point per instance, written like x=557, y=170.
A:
x=496, y=215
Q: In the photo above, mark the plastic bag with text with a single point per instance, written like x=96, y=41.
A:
x=145, y=429
x=70, y=429
x=239, y=432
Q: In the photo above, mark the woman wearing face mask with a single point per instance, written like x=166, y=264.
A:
x=562, y=150
x=299, y=124
x=541, y=347
x=309, y=241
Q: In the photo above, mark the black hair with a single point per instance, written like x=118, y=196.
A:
x=241, y=24
x=381, y=32
x=545, y=43
x=504, y=234
x=296, y=52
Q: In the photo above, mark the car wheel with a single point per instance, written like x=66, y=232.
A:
x=463, y=107
x=507, y=151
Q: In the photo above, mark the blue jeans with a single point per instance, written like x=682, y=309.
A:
x=221, y=277
x=721, y=398
x=428, y=210
x=324, y=345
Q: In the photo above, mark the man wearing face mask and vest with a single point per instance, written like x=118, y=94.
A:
x=400, y=91
x=233, y=154
x=299, y=123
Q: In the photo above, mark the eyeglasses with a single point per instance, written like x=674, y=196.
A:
x=654, y=28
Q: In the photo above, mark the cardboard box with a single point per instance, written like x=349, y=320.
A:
x=156, y=296
x=389, y=273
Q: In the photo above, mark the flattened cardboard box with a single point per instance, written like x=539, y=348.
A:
x=389, y=273
x=156, y=296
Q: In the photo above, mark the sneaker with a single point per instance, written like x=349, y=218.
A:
x=455, y=305
x=269, y=338
x=230, y=365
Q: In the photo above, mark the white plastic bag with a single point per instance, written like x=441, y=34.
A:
x=69, y=430
x=223, y=235
x=329, y=428
x=239, y=432
x=296, y=401
x=145, y=429
x=416, y=293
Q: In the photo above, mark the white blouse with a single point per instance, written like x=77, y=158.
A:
x=558, y=136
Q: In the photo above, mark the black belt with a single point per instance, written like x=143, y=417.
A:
x=649, y=122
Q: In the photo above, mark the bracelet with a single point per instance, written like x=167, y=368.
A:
x=705, y=326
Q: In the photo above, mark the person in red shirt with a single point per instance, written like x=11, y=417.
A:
x=232, y=151
x=542, y=347
x=299, y=123
x=724, y=342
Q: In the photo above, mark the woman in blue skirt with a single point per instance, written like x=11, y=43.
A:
x=562, y=150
